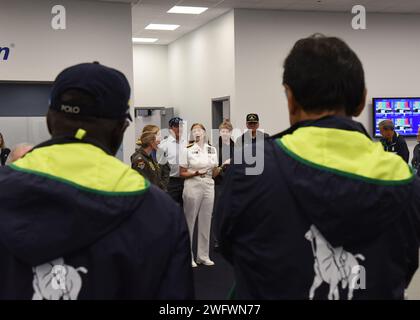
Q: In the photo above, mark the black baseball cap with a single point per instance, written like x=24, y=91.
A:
x=252, y=117
x=107, y=86
x=174, y=122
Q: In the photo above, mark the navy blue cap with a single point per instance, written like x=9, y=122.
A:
x=108, y=87
x=174, y=122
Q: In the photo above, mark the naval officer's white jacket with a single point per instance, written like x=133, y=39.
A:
x=198, y=195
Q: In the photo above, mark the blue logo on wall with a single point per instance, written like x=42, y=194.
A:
x=4, y=53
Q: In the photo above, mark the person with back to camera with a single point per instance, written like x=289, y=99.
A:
x=332, y=215
x=197, y=167
x=76, y=222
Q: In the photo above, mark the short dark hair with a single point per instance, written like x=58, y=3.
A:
x=386, y=124
x=174, y=122
x=324, y=74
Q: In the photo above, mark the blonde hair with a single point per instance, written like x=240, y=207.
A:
x=150, y=127
x=226, y=124
x=148, y=135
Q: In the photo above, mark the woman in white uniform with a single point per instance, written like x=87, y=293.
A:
x=198, y=167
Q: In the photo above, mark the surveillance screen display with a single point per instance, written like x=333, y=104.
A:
x=404, y=112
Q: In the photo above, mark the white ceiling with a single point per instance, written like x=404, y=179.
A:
x=155, y=11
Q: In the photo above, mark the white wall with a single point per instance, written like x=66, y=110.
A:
x=389, y=50
x=98, y=31
x=16, y=130
x=201, y=67
x=151, y=76
x=241, y=54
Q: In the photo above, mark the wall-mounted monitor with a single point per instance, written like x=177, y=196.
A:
x=404, y=112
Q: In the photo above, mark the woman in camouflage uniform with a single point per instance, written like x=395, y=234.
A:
x=142, y=160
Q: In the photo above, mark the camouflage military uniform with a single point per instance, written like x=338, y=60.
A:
x=147, y=167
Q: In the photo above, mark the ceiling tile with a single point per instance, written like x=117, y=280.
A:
x=155, y=11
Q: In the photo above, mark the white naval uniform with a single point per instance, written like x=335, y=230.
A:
x=169, y=150
x=198, y=195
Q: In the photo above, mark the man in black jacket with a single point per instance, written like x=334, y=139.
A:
x=77, y=223
x=252, y=134
x=392, y=141
x=248, y=143
x=332, y=216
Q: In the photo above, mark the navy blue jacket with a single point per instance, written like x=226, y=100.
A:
x=332, y=216
x=76, y=223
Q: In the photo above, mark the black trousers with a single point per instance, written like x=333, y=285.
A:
x=176, y=188
x=217, y=194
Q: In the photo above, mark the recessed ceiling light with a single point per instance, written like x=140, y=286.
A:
x=144, y=40
x=155, y=26
x=187, y=10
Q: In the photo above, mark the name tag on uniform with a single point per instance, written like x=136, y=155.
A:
x=210, y=150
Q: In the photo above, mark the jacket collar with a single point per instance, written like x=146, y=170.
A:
x=144, y=153
x=69, y=139
x=333, y=122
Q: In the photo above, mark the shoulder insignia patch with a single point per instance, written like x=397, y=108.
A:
x=211, y=150
x=141, y=164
